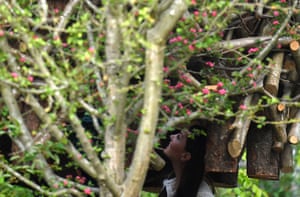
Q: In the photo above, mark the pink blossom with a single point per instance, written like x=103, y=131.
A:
x=91, y=50
x=180, y=105
x=188, y=80
x=276, y=13
x=188, y=112
x=276, y=22
x=77, y=178
x=220, y=84
x=210, y=64
x=185, y=41
x=191, y=47
x=179, y=38
x=193, y=2
x=30, y=78
x=233, y=83
x=204, y=14
x=253, y=50
x=205, y=91
x=254, y=84
x=65, y=182
x=166, y=108
x=243, y=107
x=14, y=75
x=56, y=10
x=279, y=46
x=214, y=13
x=82, y=180
x=87, y=191
x=283, y=1
x=22, y=59
x=222, y=91
x=191, y=101
x=251, y=75
x=200, y=30
x=179, y=85
x=166, y=69
x=196, y=13
x=1, y=33
x=172, y=40
x=259, y=67
x=193, y=30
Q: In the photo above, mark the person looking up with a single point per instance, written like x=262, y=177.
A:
x=186, y=153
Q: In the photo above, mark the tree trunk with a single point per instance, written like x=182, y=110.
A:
x=154, y=65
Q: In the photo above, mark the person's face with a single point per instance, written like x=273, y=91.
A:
x=175, y=151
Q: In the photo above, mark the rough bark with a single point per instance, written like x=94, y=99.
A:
x=287, y=159
x=262, y=162
x=154, y=63
x=295, y=49
x=219, y=165
x=240, y=129
x=115, y=142
x=272, y=80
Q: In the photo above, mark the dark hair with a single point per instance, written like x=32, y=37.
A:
x=193, y=172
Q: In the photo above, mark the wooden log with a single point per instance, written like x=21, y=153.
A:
x=287, y=159
x=295, y=50
x=289, y=66
x=293, y=133
x=156, y=161
x=219, y=165
x=280, y=134
x=272, y=79
x=262, y=162
x=240, y=127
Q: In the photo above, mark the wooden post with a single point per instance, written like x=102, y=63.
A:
x=262, y=162
x=293, y=133
x=287, y=159
x=219, y=165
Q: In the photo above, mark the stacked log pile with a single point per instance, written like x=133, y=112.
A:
x=269, y=147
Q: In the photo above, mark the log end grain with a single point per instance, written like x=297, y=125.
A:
x=293, y=139
x=294, y=45
x=234, y=148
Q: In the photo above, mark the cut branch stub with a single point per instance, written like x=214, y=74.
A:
x=240, y=126
x=156, y=162
x=295, y=49
x=293, y=134
x=272, y=80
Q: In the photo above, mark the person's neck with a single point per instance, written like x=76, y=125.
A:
x=178, y=168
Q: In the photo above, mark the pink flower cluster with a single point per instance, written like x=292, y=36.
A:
x=210, y=64
x=220, y=90
x=253, y=50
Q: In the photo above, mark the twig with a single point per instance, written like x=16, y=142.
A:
x=36, y=186
x=265, y=51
